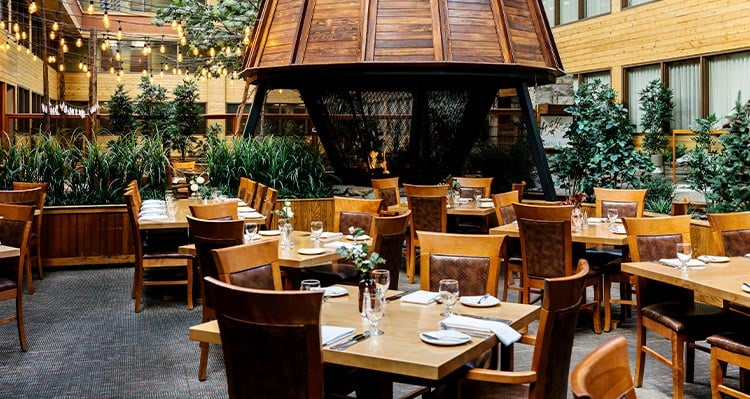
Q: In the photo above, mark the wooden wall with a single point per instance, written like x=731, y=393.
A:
x=17, y=68
x=657, y=31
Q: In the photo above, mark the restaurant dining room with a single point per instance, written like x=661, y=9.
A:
x=375, y=199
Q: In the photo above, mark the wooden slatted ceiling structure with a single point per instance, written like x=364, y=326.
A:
x=325, y=32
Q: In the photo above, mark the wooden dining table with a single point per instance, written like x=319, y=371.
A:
x=400, y=353
x=182, y=209
x=594, y=233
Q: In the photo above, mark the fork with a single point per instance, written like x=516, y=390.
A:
x=471, y=333
x=485, y=296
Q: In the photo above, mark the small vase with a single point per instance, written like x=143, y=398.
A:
x=366, y=283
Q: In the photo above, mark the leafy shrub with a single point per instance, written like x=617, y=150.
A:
x=702, y=166
x=731, y=187
x=506, y=165
x=656, y=103
x=660, y=193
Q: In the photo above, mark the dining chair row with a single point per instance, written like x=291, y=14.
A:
x=258, y=196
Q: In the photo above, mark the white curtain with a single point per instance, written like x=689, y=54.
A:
x=728, y=75
x=684, y=80
x=636, y=2
x=603, y=76
x=549, y=9
x=638, y=78
x=568, y=11
x=597, y=7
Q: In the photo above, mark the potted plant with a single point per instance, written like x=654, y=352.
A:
x=657, y=105
x=359, y=254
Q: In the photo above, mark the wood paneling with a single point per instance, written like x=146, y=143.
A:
x=307, y=210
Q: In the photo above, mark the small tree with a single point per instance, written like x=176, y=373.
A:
x=731, y=187
x=702, y=160
x=656, y=103
x=152, y=107
x=121, y=120
x=186, y=119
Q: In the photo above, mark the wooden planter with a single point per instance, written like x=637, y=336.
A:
x=307, y=210
x=86, y=235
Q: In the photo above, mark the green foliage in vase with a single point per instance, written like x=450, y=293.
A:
x=152, y=108
x=702, y=167
x=185, y=119
x=601, y=152
x=120, y=110
x=657, y=105
x=731, y=187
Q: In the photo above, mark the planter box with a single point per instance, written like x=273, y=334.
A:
x=307, y=210
x=86, y=235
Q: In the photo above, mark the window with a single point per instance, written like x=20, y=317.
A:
x=630, y=3
x=727, y=78
x=602, y=76
x=597, y=7
x=566, y=11
x=638, y=78
x=684, y=80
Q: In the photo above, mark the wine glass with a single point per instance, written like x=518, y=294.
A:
x=374, y=308
x=251, y=228
x=612, y=216
x=449, y=295
x=382, y=279
x=316, y=229
x=310, y=285
x=282, y=231
x=576, y=219
x=477, y=196
x=684, y=254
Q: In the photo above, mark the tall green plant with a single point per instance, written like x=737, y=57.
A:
x=152, y=108
x=121, y=119
x=601, y=152
x=186, y=119
x=702, y=168
x=657, y=105
x=731, y=187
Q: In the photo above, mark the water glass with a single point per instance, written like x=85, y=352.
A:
x=449, y=295
x=477, y=196
x=282, y=232
x=310, y=285
x=316, y=229
x=684, y=254
x=576, y=220
x=382, y=279
x=215, y=195
x=374, y=308
x=251, y=230
x=612, y=216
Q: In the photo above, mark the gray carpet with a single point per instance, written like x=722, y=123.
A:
x=85, y=341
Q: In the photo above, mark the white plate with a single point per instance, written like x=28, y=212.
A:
x=335, y=291
x=472, y=301
x=485, y=200
x=745, y=288
x=713, y=259
x=269, y=232
x=362, y=237
x=486, y=205
x=311, y=251
x=619, y=230
x=445, y=337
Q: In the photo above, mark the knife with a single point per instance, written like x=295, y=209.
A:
x=506, y=321
x=399, y=295
x=351, y=341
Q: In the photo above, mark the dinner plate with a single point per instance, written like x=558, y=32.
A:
x=619, y=230
x=473, y=301
x=485, y=200
x=745, y=288
x=444, y=337
x=269, y=232
x=713, y=259
x=311, y=251
x=362, y=237
x=486, y=205
x=335, y=290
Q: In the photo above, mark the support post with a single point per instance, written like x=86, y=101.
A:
x=535, y=143
x=255, y=109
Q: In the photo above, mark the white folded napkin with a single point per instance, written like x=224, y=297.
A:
x=330, y=334
x=505, y=333
x=153, y=205
x=249, y=215
x=421, y=297
x=674, y=262
x=245, y=209
x=153, y=218
x=153, y=201
x=597, y=220
x=153, y=211
x=713, y=259
x=337, y=244
x=327, y=235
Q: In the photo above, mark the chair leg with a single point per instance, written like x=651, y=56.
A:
x=640, y=355
x=39, y=261
x=29, y=280
x=717, y=374
x=412, y=266
x=597, y=306
x=19, y=322
x=678, y=366
x=189, y=267
x=138, y=288
x=690, y=363
x=607, y=301
x=507, y=278
x=203, y=363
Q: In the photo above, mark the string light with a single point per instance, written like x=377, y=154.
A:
x=79, y=42
x=55, y=26
x=90, y=9
x=105, y=19
x=32, y=7
x=119, y=31
x=162, y=48
x=52, y=35
x=117, y=54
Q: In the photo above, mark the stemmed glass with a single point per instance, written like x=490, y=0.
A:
x=374, y=308
x=612, y=216
x=449, y=295
x=576, y=219
x=251, y=229
x=477, y=196
x=684, y=254
x=284, y=237
x=316, y=229
x=382, y=279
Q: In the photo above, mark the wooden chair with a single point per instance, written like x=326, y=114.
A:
x=388, y=191
x=680, y=207
x=547, y=252
x=15, y=231
x=243, y=187
x=472, y=183
x=731, y=232
x=355, y=212
x=226, y=210
x=427, y=214
x=283, y=328
x=425, y=191
x=34, y=197
x=553, y=344
x=390, y=233
x=180, y=181
x=472, y=259
x=269, y=203
x=35, y=241
x=254, y=265
x=511, y=253
x=604, y=373
x=666, y=309
x=208, y=235
x=521, y=188
x=629, y=203
x=249, y=193
x=731, y=348
x=260, y=195
x=157, y=250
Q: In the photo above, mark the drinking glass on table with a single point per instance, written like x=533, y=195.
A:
x=477, y=196
x=310, y=285
x=449, y=295
x=612, y=216
x=374, y=308
x=316, y=229
x=382, y=279
x=684, y=254
x=251, y=228
x=576, y=219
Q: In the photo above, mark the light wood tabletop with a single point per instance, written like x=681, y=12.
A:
x=594, y=233
x=182, y=209
x=9, y=252
x=400, y=351
x=722, y=281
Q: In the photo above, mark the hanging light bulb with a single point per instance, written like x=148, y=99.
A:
x=88, y=74
x=234, y=75
x=179, y=30
x=2, y=24
x=62, y=67
x=85, y=67
x=162, y=48
x=52, y=35
x=174, y=71
x=166, y=66
x=246, y=40
x=28, y=51
x=79, y=42
x=212, y=52
x=161, y=74
x=105, y=20
x=32, y=7
x=119, y=31
x=247, y=31
x=90, y=9
x=112, y=70
x=55, y=26
x=65, y=48
x=117, y=55
x=144, y=73
x=80, y=65
x=238, y=52
x=183, y=41
x=179, y=57
x=174, y=24
x=23, y=35
x=62, y=40
x=17, y=36
x=16, y=28
x=196, y=51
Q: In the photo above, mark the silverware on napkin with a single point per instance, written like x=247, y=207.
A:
x=470, y=332
x=506, y=321
x=351, y=341
x=399, y=295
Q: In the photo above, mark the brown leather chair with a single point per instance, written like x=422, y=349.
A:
x=547, y=252
x=680, y=207
x=254, y=265
x=15, y=231
x=731, y=232
x=208, y=235
x=553, y=344
x=35, y=253
x=355, y=212
x=390, y=233
x=512, y=247
x=473, y=260
x=428, y=213
x=470, y=184
x=268, y=205
x=425, y=190
x=388, y=191
x=270, y=339
x=665, y=309
x=731, y=348
x=604, y=373
x=521, y=188
x=226, y=210
x=33, y=197
x=157, y=250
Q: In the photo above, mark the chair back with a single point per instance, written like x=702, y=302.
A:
x=243, y=187
x=428, y=213
x=554, y=339
x=731, y=232
x=41, y=199
x=386, y=190
x=260, y=195
x=425, y=191
x=504, y=206
x=473, y=183
x=15, y=231
x=355, y=212
x=473, y=260
x=629, y=203
x=390, y=233
x=268, y=204
x=546, y=240
x=604, y=373
x=254, y=265
x=226, y=210
x=32, y=196
x=250, y=187
x=680, y=207
x=520, y=187
x=269, y=339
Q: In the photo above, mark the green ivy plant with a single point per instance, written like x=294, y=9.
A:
x=657, y=105
x=601, y=152
x=731, y=187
